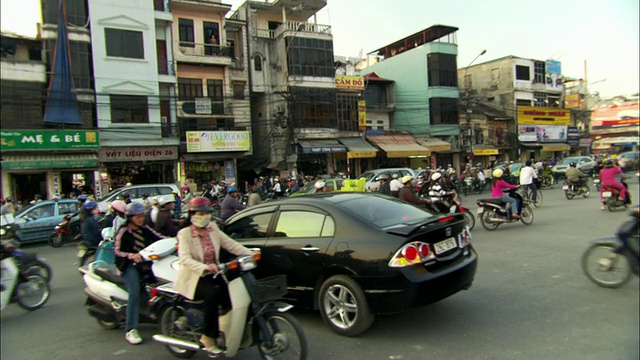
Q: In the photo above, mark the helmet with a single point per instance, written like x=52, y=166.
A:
x=135, y=209
x=527, y=163
x=81, y=198
x=276, y=180
x=213, y=182
x=200, y=203
x=608, y=163
x=125, y=195
x=436, y=176
x=319, y=184
x=89, y=205
x=175, y=192
x=497, y=173
x=572, y=164
x=232, y=190
x=406, y=179
x=119, y=206
x=395, y=176
x=383, y=177
x=165, y=199
x=8, y=199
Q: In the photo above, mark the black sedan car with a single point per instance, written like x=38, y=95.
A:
x=354, y=255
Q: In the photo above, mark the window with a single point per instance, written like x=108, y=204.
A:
x=310, y=57
x=443, y=70
x=252, y=226
x=523, y=102
x=189, y=89
x=186, y=32
x=67, y=208
x=41, y=212
x=443, y=111
x=214, y=92
x=76, y=11
x=164, y=190
x=375, y=95
x=257, y=63
x=124, y=43
x=304, y=224
x=348, y=112
x=313, y=107
x=538, y=72
x=129, y=109
x=522, y=73
x=540, y=99
x=238, y=90
x=212, y=37
x=81, y=62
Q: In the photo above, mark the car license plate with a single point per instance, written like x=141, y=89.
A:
x=565, y=187
x=480, y=210
x=606, y=194
x=444, y=246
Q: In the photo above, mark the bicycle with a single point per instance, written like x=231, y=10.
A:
x=526, y=194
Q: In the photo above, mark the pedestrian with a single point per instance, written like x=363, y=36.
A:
x=254, y=196
x=164, y=223
x=385, y=187
x=146, y=202
x=527, y=174
x=395, y=186
x=153, y=214
x=7, y=208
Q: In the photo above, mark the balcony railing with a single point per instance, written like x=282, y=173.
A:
x=196, y=49
x=187, y=107
x=170, y=130
x=304, y=27
x=162, y=5
x=166, y=68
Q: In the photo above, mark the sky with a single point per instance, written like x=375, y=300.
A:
x=602, y=33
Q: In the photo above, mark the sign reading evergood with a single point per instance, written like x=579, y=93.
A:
x=152, y=153
x=349, y=82
x=532, y=115
x=210, y=141
x=48, y=139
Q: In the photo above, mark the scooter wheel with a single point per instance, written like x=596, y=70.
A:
x=33, y=293
x=57, y=241
x=168, y=327
x=485, y=221
x=604, y=267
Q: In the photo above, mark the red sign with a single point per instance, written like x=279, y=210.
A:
x=611, y=117
x=152, y=153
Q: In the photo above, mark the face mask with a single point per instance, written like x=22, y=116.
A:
x=200, y=221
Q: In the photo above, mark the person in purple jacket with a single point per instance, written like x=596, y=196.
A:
x=497, y=187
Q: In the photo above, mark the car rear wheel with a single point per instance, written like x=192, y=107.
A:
x=344, y=307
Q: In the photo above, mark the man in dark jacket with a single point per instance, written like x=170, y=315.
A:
x=406, y=192
x=230, y=205
x=164, y=223
x=385, y=187
x=89, y=228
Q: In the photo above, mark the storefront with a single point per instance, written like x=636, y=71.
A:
x=485, y=156
x=360, y=156
x=51, y=163
x=441, y=154
x=138, y=165
x=319, y=156
x=400, y=150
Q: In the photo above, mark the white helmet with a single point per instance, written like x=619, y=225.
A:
x=435, y=176
x=319, y=184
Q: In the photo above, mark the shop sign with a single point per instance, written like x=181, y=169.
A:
x=210, y=141
x=542, y=133
x=573, y=136
x=196, y=167
x=543, y=116
x=55, y=179
x=556, y=147
x=124, y=154
x=483, y=152
x=362, y=114
x=49, y=163
x=621, y=117
x=349, y=82
x=48, y=139
x=361, y=154
x=573, y=101
x=203, y=106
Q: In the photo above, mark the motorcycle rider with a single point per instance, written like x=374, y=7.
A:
x=178, y=204
x=608, y=179
x=7, y=208
x=119, y=208
x=277, y=188
x=440, y=192
x=395, y=186
x=575, y=176
x=406, y=192
x=385, y=187
x=199, y=243
x=630, y=229
x=81, y=200
x=230, y=204
x=164, y=223
x=126, y=197
x=132, y=237
x=89, y=228
x=527, y=174
x=497, y=187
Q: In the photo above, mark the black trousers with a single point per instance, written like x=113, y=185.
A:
x=213, y=292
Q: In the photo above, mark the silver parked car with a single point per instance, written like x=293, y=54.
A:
x=372, y=176
x=584, y=164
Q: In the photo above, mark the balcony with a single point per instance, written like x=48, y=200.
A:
x=302, y=27
x=166, y=71
x=23, y=70
x=203, y=53
x=205, y=107
x=162, y=10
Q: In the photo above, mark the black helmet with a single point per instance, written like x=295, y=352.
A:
x=125, y=195
x=572, y=164
x=608, y=163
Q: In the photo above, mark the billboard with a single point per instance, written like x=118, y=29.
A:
x=542, y=133
x=573, y=101
x=622, y=117
x=553, y=75
x=210, y=141
x=534, y=115
x=349, y=82
x=47, y=140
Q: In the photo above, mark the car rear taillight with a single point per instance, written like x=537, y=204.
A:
x=412, y=253
x=448, y=218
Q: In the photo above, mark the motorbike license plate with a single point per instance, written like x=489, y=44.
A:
x=596, y=181
x=606, y=194
x=480, y=210
x=444, y=246
x=565, y=187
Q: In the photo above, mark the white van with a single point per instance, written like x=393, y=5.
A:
x=136, y=191
x=372, y=176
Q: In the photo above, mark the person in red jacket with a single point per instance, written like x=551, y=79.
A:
x=608, y=179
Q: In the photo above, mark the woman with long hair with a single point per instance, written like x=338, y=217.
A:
x=497, y=187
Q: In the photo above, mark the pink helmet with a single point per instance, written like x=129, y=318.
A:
x=119, y=206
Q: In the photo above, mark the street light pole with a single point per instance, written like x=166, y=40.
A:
x=467, y=98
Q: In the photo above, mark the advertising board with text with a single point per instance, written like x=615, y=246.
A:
x=212, y=141
x=349, y=82
x=542, y=133
x=48, y=140
x=533, y=115
x=622, y=116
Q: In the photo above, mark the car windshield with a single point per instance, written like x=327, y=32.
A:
x=367, y=175
x=515, y=167
x=109, y=194
x=567, y=161
x=383, y=212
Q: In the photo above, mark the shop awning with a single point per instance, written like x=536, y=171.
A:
x=49, y=161
x=434, y=144
x=606, y=143
x=321, y=146
x=399, y=146
x=358, y=148
x=556, y=147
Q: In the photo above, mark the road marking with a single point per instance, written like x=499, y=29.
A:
x=120, y=352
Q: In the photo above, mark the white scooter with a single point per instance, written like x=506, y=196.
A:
x=22, y=285
x=255, y=318
x=106, y=291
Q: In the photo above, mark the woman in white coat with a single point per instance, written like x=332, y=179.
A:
x=199, y=249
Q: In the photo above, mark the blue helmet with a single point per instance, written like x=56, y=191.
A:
x=81, y=198
x=89, y=205
x=135, y=209
x=232, y=190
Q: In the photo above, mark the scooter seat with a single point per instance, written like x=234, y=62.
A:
x=108, y=273
x=492, y=201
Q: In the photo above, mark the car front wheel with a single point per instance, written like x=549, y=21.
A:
x=344, y=307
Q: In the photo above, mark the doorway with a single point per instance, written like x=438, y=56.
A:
x=26, y=186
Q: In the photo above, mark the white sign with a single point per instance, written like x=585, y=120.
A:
x=542, y=133
x=152, y=153
x=55, y=179
x=203, y=106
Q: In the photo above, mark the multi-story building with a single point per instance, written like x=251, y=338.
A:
x=423, y=68
x=213, y=107
x=527, y=90
x=134, y=85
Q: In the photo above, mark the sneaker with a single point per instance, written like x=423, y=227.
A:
x=133, y=337
x=209, y=345
x=603, y=207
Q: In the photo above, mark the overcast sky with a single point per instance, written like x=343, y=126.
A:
x=602, y=32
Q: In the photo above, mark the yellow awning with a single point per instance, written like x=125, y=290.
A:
x=435, y=144
x=358, y=148
x=399, y=146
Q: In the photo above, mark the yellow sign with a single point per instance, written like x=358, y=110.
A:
x=531, y=115
x=556, y=147
x=362, y=113
x=361, y=154
x=349, y=82
x=482, y=152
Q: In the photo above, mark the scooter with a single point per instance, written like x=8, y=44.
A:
x=67, y=230
x=451, y=205
x=572, y=190
x=611, y=197
x=493, y=212
x=255, y=317
x=596, y=182
x=106, y=292
x=21, y=284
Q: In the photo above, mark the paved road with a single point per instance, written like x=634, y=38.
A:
x=530, y=300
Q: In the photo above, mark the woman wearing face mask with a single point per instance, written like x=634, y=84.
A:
x=199, y=243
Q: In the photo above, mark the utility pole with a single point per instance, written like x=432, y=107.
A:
x=467, y=97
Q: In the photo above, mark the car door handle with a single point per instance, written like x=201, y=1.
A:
x=310, y=248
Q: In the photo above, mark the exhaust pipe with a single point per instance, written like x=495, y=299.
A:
x=183, y=344
x=499, y=220
x=101, y=313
